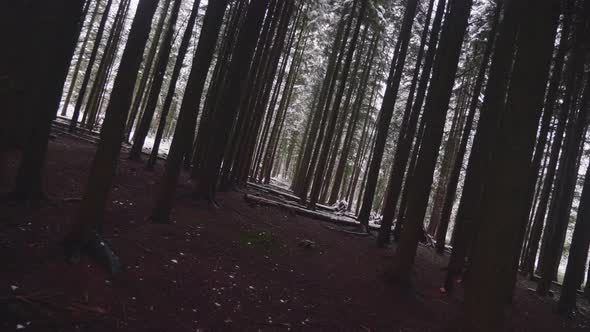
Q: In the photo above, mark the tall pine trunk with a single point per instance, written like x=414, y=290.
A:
x=105, y=161
x=437, y=103
x=493, y=266
x=187, y=117
x=152, y=100
x=386, y=113
x=53, y=31
x=91, y=62
x=456, y=171
x=576, y=263
x=411, y=113
x=490, y=113
x=184, y=44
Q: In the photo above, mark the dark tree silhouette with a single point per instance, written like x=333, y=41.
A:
x=51, y=39
x=90, y=214
x=493, y=266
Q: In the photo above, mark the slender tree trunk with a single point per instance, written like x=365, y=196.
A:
x=91, y=61
x=141, y=90
x=98, y=86
x=218, y=81
x=368, y=164
x=550, y=103
x=402, y=152
x=335, y=153
x=445, y=68
x=244, y=161
x=187, y=116
x=576, y=263
x=103, y=167
x=326, y=108
x=336, y=188
x=448, y=158
x=360, y=149
x=184, y=44
x=456, y=171
x=323, y=157
x=565, y=182
x=283, y=106
x=80, y=57
x=145, y=122
x=386, y=113
x=301, y=174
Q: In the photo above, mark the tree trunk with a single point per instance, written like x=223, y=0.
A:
x=576, y=262
x=184, y=44
x=187, y=116
x=52, y=41
x=386, y=112
x=323, y=157
x=565, y=182
x=456, y=171
x=490, y=113
x=439, y=94
x=105, y=161
x=448, y=157
x=362, y=146
x=325, y=109
x=91, y=61
x=146, y=75
x=145, y=122
x=98, y=86
x=493, y=266
x=80, y=57
x=404, y=146
x=528, y=265
x=301, y=174
x=353, y=121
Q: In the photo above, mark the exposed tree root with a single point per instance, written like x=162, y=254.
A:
x=95, y=247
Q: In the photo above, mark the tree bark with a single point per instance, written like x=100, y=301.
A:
x=576, y=263
x=80, y=58
x=301, y=173
x=550, y=104
x=98, y=86
x=404, y=146
x=145, y=122
x=323, y=157
x=490, y=113
x=493, y=266
x=187, y=116
x=386, y=113
x=104, y=165
x=325, y=109
x=565, y=182
x=52, y=40
x=141, y=90
x=184, y=44
x=91, y=61
x=351, y=129
x=456, y=171
x=445, y=68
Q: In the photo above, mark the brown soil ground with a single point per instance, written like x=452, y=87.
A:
x=240, y=267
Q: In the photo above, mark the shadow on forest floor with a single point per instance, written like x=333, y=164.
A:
x=241, y=267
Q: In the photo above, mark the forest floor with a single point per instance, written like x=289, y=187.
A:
x=240, y=267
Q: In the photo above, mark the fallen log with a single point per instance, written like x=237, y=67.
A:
x=345, y=221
